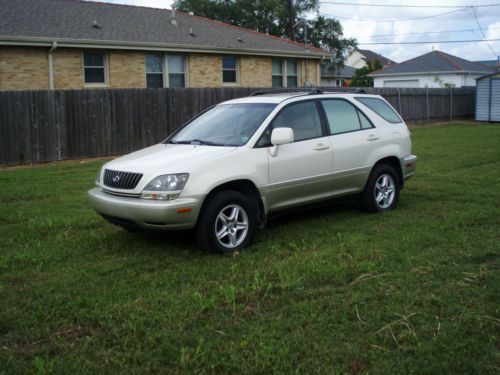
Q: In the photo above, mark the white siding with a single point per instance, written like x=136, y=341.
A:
x=495, y=99
x=401, y=83
x=429, y=80
x=483, y=100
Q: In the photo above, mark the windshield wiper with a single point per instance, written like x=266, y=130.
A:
x=197, y=142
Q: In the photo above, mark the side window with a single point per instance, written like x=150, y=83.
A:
x=381, y=108
x=342, y=116
x=303, y=118
x=365, y=123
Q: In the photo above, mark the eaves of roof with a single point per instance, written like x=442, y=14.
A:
x=375, y=74
x=125, y=45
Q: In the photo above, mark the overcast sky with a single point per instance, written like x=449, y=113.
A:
x=397, y=24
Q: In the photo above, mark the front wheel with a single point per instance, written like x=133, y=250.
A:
x=227, y=223
x=382, y=190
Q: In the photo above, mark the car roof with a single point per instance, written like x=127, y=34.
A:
x=276, y=98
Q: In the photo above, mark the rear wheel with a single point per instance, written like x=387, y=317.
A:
x=227, y=223
x=382, y=190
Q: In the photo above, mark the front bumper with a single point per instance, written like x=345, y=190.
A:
x=408, y=164
x=180, y=213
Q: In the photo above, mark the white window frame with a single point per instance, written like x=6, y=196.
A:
x=284, y=71
x=105, y=67
x=166, y=73
x=237, y=69
x=162, y=55
x=285, y=61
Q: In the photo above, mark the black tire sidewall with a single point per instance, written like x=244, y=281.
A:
x=205, y=234
x=368, y=200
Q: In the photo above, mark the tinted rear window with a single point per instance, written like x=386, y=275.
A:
x=381, y=108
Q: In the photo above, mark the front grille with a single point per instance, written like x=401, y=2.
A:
x=121, y=180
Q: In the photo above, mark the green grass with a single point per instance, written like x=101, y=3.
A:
x=416, y=290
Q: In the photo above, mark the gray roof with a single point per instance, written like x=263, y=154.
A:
x=495, y=64
x=71, y=21
x=371, y=56
x=433, y=62
x=329, y=69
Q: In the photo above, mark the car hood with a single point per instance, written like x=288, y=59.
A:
x=168, y=158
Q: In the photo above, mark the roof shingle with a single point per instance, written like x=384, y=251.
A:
x=435, y=61
x=62, y=20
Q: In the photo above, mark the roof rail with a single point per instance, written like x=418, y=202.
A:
x=313, y=91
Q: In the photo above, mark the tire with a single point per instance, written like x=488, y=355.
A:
x=381, y=193
x=227, y=223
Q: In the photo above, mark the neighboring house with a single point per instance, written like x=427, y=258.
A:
x=360, y=58
x=71, y=44
x=434, y=69
x=488, y=98
x=495, y=64
x=333, y=76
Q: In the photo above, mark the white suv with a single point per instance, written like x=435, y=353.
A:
x=229, y=168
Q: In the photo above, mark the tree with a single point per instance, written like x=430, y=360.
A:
x=273, y=17
x=361, y=78
x=327, y=33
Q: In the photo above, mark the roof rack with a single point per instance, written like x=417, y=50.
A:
x=313, y=91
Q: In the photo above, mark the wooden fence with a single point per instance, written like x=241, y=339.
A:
x=40, y=126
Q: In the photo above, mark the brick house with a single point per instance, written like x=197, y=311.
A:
x=73, y=44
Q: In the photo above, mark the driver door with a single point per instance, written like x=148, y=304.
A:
x=300, y=171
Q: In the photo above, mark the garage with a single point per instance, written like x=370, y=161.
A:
x=401, y=83
x=488, y=98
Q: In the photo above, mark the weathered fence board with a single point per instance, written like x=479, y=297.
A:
x=39, y=126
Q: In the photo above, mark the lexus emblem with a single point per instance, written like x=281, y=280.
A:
x=116, y=179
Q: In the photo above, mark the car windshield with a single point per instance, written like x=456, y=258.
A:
x=224, y=125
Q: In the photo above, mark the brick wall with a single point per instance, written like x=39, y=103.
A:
x=24, y=68
x=126, y=69
x=204, y=70
x=27, y=69
x=312, y=72
x=255, y=71
x=68, y=68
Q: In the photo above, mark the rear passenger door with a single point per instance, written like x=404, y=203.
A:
x=301, y=171
x=355, y=141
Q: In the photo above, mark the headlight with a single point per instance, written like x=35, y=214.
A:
x=98, y=178
x=165, y=187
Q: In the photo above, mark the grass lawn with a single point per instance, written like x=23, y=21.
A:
x=416, y=290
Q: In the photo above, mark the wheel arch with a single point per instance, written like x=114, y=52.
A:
x=394, y=162
x=243, y=186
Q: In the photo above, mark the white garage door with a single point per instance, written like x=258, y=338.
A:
x=401, y=83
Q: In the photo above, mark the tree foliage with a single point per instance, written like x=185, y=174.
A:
x=272, y=17
x=361, y=78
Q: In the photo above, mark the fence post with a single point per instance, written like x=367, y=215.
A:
x=451, y=103
x=427, y=102
x=399, y=102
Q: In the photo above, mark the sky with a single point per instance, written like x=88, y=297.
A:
x=420, y=20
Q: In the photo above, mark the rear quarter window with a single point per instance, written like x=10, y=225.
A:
x=381, y=108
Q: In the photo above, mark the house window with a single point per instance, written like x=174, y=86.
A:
x=176, y=71
x=94, y=67
x=229, y=69
x=284, y=73
x=277, y=73
x=291, y=73
x=154, y=71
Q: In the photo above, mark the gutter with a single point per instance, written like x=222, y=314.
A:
x=51, y=65
x=424, y=73
x=123, y=45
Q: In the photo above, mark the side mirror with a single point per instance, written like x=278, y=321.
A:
x=281, y=136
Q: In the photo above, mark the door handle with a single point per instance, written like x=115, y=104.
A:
x=372, y=137
x=321, y=146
